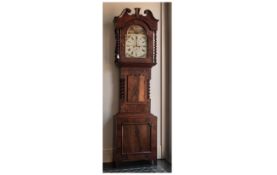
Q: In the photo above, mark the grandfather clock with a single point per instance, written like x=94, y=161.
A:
x=135, y=128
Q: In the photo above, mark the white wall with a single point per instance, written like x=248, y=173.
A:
x=110, y=73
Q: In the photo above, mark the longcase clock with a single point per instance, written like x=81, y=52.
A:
x=135, y=128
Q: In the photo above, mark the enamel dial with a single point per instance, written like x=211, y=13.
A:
x=135, y=42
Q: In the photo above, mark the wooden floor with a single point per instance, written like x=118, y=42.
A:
x=162, y=166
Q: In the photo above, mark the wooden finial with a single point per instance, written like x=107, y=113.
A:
x=137, y=11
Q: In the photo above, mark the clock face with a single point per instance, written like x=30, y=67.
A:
x=135, y=42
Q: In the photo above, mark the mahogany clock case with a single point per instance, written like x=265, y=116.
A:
x=135, y=128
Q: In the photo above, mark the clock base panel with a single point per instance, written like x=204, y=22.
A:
x=135, y=137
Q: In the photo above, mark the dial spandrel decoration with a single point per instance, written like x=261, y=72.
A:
x=135, y=42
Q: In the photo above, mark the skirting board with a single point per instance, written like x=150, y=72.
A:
x=108, y=154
